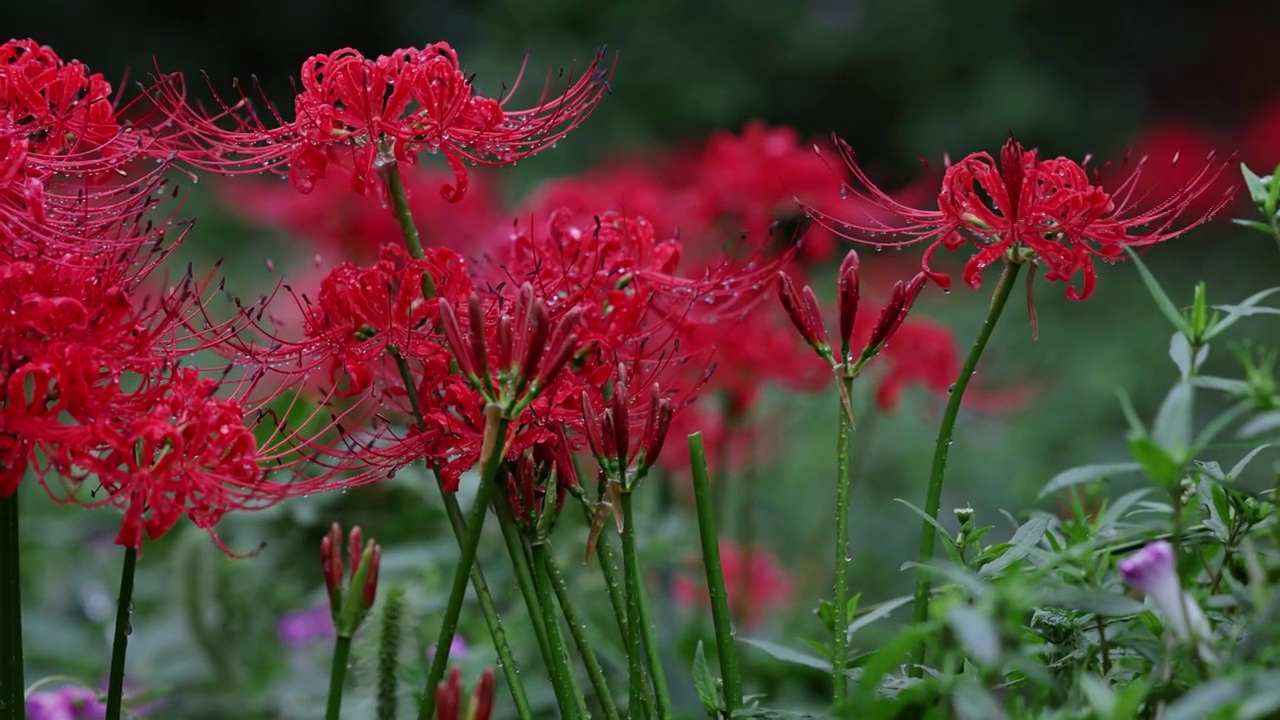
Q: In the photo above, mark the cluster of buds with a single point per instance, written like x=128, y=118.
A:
x=803, y=310
x=350, y=605
x=539, y=483
x=623, y=462
x=529, y=352
x=449, y=698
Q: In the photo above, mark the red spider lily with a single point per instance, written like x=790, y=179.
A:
x=757, y=585
x=365, y=113
x=1049, y=211
x=1186, y=143
x=626, y=456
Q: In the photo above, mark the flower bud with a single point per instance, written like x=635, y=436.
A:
x=804, y=314
x=1153, y=572
x=847, y=289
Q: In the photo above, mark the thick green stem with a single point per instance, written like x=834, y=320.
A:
x=844, y=481
x=661, y=693
x=725, y=649
x=578, y=630
x=337, y=677
x=609, y=571
x=120, y=645
x=641, y=693
x=400, y=206
x=12, y=682
x=524, y=579
x=928, y=536
x=470, y=544
x=558, y=668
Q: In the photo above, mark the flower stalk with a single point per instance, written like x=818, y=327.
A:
x=720, y=616
x=578, y=631
x=567, y=695
x=844, y=480
x=12, y=681
x=471, y=543
x=120, y=643
x=942, y=447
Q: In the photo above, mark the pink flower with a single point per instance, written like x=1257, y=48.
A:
x=1153, y=572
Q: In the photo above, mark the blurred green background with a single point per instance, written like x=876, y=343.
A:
x=899, y=80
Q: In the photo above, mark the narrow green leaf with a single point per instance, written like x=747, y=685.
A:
x=946, y=534
x=1235, y=312
x=1085, y=474
x=1204, y=701
x=1099, y=695
x=1180, y=353
x=1260, y=424
x=882, y=610
x=787, y=655
x=1021, y=544
x=1253, y=225
x=1258, y=190
x=1172, y=427
x=1234, y=473
x=1158, y=294
x=705, y=683
x=1098, y=602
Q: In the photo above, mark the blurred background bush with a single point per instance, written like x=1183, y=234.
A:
x=899, y=80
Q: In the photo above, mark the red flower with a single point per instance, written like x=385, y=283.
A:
x=365, y=113
x=756, y=584
x=1047, y=211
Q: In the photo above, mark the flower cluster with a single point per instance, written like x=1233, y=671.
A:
x=101, y=399
x=1050, y=211
x=364, y=114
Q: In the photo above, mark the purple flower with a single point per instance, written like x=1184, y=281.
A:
x=1152, y=571
x=301, y=628
x=457, y=649
x=66, y=703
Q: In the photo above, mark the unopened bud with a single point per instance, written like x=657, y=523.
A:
x=848, y=295
x=804, y=313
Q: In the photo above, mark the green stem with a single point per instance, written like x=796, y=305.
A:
x=470, y=544
x=844, y=481
x=661, y=693
x=337, y=677
x=720, y=616
x=124, y=607
x=12, y=681
x=400, y=207
x=928, y=535
x=524, y=578
x=641, y=694
x=558, y=668
x=578, y=630
x=609, y=570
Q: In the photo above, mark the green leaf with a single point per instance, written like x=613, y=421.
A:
x=1260, y=425
x=705, y=683
x=1162, y=469
x=975, y=632
x=1157, y=293
x=946, y=534
x=1085, y=474
x=1253, y=225
x=1245, y=308
x=1234, y=473
x=1204, y=701
x=1230, y=386
x=1021, y=544
x=1181, y=355
x=884, y=660
x=1098, y=602
x=1172, y=427
x=880, y=611
x=787, y=655
x=1258, y=186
